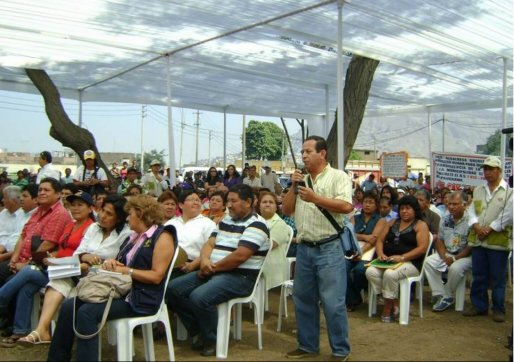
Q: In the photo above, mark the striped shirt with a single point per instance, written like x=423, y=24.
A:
x=251, y=232
x=310, y=222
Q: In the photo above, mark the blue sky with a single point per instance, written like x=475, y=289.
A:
x=117, y=127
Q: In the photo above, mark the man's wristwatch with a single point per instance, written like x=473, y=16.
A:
x=130, y=272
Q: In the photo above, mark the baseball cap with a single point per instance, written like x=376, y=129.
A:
x=81, y=195
x=401, y=190
x=89, y=154
x=492, y=161
x=155, y=162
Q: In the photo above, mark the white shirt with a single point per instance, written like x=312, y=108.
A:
x=48, y=170
x=10, y=228
x=256, y=182
x=269, y=181
x=192, y=234
x=100, y=174
x=93, y=243
x=151, y=184
x=505, y=217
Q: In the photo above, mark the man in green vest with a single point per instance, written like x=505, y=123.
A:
x=491, y=241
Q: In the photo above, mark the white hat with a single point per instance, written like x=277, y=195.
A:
x=155, y=162
x=492, y=161
x=89, y=154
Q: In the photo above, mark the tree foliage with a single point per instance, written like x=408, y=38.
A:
x=264, y=141
x=493, y=145
x=150, y=156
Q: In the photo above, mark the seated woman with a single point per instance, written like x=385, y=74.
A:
x=133, y=190
x=101, y=241
x=216, y=210
x=231, y=177
x=275, y=267
x=212, y=180
x=358, y=194
x=390, y=192
x=27, y=282
x=404, y=240
x=169, y=204
x=367, y=229
x=146, y=256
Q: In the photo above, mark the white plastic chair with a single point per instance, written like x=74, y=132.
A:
x=460, y=293
x=405, y=285
x=287, y=264
x=257, y=299
x=286, y=289
x=124, y=328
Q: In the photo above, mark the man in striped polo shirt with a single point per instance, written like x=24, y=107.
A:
x=230, y=262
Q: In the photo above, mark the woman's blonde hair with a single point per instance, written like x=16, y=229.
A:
x=147, y=209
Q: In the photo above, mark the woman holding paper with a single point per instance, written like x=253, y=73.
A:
x=146, y=257
x=27, y=282
x=101, y=241
x=403, y=241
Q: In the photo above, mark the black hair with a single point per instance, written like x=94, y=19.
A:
x=47, y=156
x=72, y=187
x=244, y=192
x=411, y=201
x=118, y=203
x=392, y=191
x=425, y=194
x=371, y=195
x=32, y=189
x=56, y=185
x=321, y=143
x=386, y=200
x=184, y=195
x=236, y=174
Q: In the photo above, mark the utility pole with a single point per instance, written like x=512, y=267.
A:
x=209, y=158
x=143, y=115
x=375, y=148
x=197, y=124
x=182, y=125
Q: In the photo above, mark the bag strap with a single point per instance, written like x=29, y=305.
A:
x=329, y=216
x=104, y=317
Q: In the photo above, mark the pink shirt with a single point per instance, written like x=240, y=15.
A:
x=137, y=240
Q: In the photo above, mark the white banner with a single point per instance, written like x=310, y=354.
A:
x=455, y=170
x=394, y=165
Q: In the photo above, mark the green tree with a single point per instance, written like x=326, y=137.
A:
x=493, y=145
x=150, y=156
x=354, y=155
x=264, y=140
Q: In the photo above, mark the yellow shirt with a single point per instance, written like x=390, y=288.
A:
x=311, y=223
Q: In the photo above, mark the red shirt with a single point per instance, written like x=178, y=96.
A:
x=47, y=224
x=70, y=239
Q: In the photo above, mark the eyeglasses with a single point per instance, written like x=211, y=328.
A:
x=193, y=200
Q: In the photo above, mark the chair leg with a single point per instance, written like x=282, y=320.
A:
x=223, y=330
x=404, y=302
x=281, y=304
x=372, y=301
x=420, y=297
x=165, y=318
x=125, y=344
x=148, y=341
x=238, y=320
x=460, y=295
x=181, y=330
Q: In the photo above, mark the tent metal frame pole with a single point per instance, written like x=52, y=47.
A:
x=326, y=128
x=243, y=155
x=171, y=137
x=225, y=137
x=504, y=113
x=340, y=89
x=78, y=160
x=429, y=120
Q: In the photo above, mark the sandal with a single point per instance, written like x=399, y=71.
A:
x=32, y=339
x=9, y=342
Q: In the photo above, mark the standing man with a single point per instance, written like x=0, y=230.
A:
x=252, y=180
x=452, y=253
x=90, y=177
x=320, y=264
x=47, y=168
x=490, y=240
x=269, y=179
x=153, y=182
x=370, y=184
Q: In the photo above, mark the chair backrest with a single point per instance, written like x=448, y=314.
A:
x=291, y=233
x=430, y=241
x=168, y=275
x=261, y=269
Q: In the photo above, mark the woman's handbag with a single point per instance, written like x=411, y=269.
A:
x=100, y=287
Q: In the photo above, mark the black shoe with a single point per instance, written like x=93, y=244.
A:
x=197, y=344
x=209, y=349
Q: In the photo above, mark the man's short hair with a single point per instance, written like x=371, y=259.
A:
x=72, y=187
x=56, y=185
x=462, y=194
x=425, y=194
x=385, y=200
x=47, y=156
x=252, y=167
x=321, y=143
x=245, y=192
x=12, y=192
x=32, y=189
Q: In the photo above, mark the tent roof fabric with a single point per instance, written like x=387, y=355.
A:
x=261, y=57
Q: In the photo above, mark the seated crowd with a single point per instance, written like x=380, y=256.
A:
x=222, y=226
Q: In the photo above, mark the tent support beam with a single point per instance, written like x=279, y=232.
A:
x=171, y=137
x=340, y=88
x=504, y=113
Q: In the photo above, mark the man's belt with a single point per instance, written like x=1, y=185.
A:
x=312, y=244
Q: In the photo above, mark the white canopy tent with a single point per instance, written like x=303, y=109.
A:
x=263, y=57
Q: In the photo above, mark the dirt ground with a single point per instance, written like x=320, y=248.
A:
x=446, y=336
